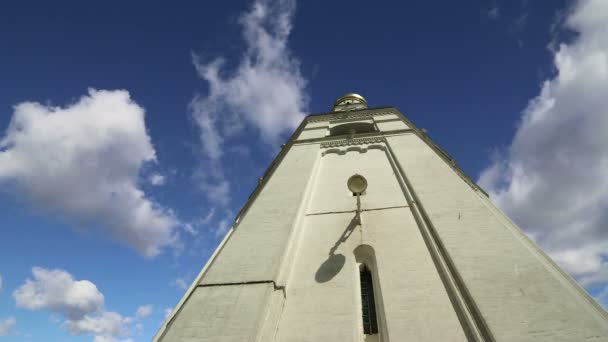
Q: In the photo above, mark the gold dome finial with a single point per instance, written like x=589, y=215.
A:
x=349, y=101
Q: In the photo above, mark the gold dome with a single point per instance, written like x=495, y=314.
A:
x=351, y=96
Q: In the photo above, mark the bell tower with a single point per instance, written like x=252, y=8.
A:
x=364, y=229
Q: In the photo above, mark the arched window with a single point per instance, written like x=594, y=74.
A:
x=373, y=319
x=368, y=303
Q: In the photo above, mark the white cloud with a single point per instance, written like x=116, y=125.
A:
x=144, y=311
x=57, y=291
x=552, y=180
x=7, y=325
x=78, y=301
x=208, y=217
x=192, y=228
x=157, y=179
x=83, y=161
x=189, y=228
x=181, y=283
x=214, y=183
x=266, y=92
x=105, y=326
x=100, y=338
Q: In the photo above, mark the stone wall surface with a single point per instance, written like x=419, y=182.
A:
x=231, y=313
x=323, y=293
x=391, y=125
x=521, y=295
x=313, y=133
x=330, y=192
x=255, y=249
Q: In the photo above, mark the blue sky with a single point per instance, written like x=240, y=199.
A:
x=132, y=133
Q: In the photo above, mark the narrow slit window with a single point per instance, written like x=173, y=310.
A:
x=368, y=305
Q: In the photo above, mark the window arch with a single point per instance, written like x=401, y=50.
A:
x=372, y=319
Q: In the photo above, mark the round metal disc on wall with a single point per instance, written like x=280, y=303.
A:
x=357, y=184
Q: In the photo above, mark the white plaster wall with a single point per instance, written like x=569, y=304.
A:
x=387, y=117
x=330, y=192
x=317, y=124
x=255, y=249
x=232, y=313
x=320, y=307
x=521, y=295
x=313, y=133
x=323, y=298
x=391, y=125
x=321, y=311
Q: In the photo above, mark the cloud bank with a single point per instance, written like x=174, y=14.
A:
x=553, y=179
x=83, y=162
x=265, y=94
x=78, y=301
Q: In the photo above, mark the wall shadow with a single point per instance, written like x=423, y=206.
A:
x=335, y=262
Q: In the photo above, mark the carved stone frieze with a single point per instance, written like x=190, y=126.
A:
x=347, y=116
x=352, y=118
x=350, y=142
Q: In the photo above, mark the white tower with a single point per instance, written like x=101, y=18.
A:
x=424, y=256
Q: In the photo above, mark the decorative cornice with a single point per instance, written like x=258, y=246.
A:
x=349, y=142
x=361, y=116
x=349, y=116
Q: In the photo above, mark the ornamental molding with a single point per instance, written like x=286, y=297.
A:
x=351, y=142
x=351, y=116
x=345, y=150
